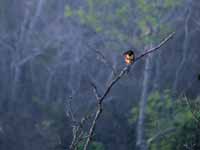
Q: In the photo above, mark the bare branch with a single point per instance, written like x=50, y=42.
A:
x=112, y=83
x=105, y=60
x=70, y=112
x=97, y=95
x=78, y=134
x=146, y=52
x=160, y=134
x=77, y=127
x=93, y=126
x=28, y=58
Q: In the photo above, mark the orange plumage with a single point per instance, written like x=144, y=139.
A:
x=129, y=57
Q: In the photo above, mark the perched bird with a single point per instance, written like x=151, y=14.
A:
x=129, y=57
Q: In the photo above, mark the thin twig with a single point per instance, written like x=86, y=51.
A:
x=106, y=61
x=112, y=83
x=70, y=112
x=193, y=113
x=160, y=134
x=146, y=52
x=78, y=134
x=96, y=93
x=75, y=128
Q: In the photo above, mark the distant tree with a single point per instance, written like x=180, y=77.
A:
x=167, y=120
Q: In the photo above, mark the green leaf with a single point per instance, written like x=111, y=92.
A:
x=68, y=11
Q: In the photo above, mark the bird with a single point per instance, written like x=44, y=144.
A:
x=129, y=57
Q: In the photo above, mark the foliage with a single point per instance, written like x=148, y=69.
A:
x=52, y=121
x=116, y=19
x=68, y=11
x=32, y=115
x=151, y=18
x=166, y=114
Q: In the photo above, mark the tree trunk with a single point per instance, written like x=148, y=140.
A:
x=184, y=52
x=156, y=85
x=48, y=86
x=17, y=72
x=140, y=142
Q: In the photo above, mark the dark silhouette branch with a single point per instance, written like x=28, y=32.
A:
x=96, y=93
x=146, y=52
x=112, y=83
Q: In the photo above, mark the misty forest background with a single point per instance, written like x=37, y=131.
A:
x=52, y=51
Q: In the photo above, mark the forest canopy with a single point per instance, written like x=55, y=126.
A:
x=60, y=59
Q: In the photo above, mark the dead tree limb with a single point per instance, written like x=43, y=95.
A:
x=105, y=61
x=112, y=83
x=77, y=126
x=96, y=93
x=146, y=52
x=78, y=135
